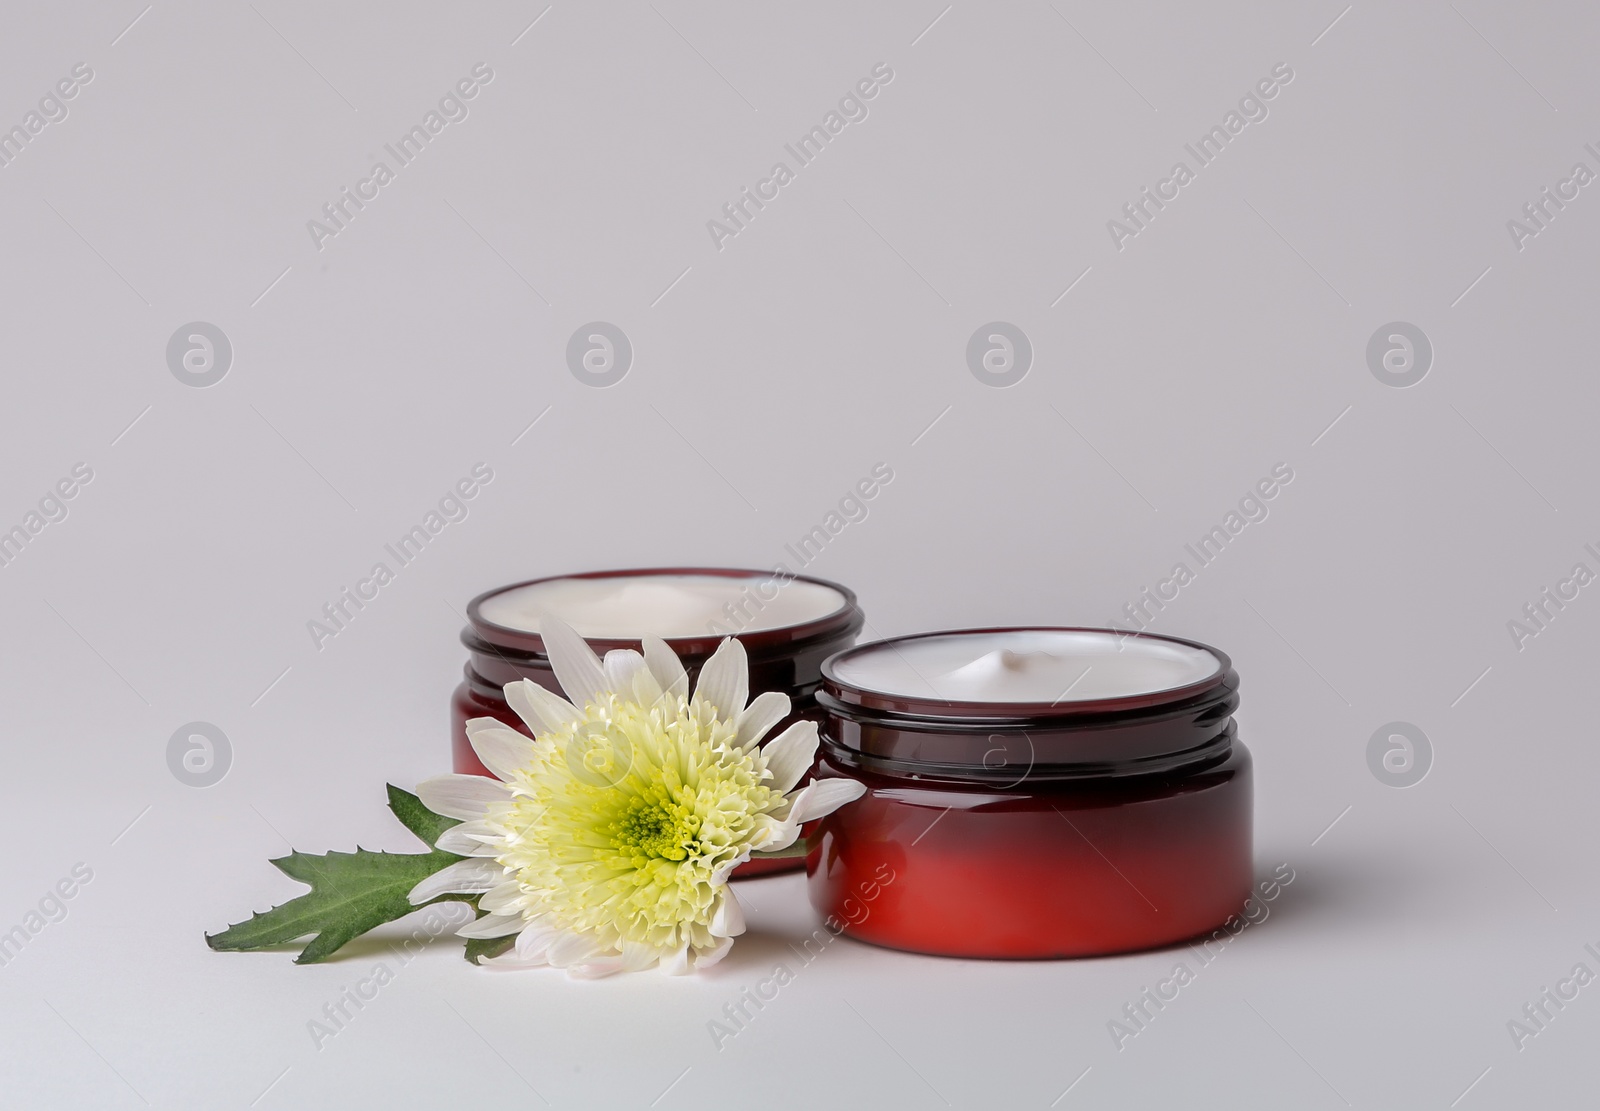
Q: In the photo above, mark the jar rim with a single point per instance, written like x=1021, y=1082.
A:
x=774, y=640
x=982, y=714
x=988, y=770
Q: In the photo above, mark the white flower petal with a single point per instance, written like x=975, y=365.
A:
x=705, y=958
x=824, y=797
x=492, y=925
x=533, y=943
x=468, y=839
x=725, y=869
x=620, y=665
x=598, y=968
x=469, y=877
x=676, y=963
x=765, y=710
x=725, y=680
x=645, y=690
x=771, y=835
x=790, y=755
x=665, y=667
x=510, y=962
x=480, y=829
x=579, y=670
x=728, y=921
x=465, y=846
x=461, y=796
x=545, y=711
x=505, y=898
x=568, y=949
x=501, y=748
x=636, y=956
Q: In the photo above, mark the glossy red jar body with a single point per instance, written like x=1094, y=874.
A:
x=1069, y=830
x=787, y=659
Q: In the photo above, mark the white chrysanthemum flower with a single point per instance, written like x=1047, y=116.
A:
x=605, y=844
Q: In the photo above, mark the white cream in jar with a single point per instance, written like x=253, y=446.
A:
x=1027, y=665
x=662, y=605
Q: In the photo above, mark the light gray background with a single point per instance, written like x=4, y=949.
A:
x=768, y=378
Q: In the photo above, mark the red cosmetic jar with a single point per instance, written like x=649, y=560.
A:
x=785, y=658
x=1106, y=819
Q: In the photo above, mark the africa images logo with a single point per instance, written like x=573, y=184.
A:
x=1252, y=108
x=452, y=108
x=852, y=109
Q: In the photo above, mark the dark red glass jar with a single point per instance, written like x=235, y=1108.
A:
x=786, y=658
x=1067, y=828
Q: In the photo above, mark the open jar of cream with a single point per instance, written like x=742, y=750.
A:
x=1032, y=793
x=788, y=624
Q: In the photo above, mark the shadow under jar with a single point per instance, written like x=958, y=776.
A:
x=1032, y=793
x=788, y=624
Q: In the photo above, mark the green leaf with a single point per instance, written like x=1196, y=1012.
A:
x=350, y=892
x=795, y=851
x=488, y=946
x=418, y=818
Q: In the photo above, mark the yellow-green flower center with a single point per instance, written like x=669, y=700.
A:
x=652, y=825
